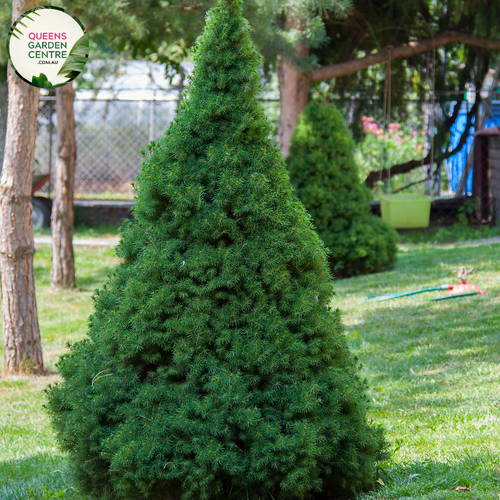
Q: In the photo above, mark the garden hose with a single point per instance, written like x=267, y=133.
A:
x=464, y=290
x=388, y=296
x=455, y=296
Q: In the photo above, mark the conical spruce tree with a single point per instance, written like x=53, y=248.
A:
x=322, y=167
x=214, y=366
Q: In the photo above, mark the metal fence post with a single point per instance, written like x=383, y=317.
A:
x=152, y=121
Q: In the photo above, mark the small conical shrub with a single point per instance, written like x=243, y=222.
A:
x=214, y=366
x=322, y=167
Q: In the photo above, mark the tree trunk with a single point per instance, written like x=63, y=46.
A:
x=63, y=263
x=3, y=120
x=294, y=95
x=23, y=351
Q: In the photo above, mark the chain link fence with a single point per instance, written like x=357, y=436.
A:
x=109, y=135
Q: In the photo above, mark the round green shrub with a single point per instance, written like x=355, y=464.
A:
x=323, y=170
x=214, y=366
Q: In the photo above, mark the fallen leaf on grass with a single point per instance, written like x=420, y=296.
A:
x=379, y=481
x=462, y=488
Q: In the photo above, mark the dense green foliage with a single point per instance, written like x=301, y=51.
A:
x=214, y=366
x=322, y=168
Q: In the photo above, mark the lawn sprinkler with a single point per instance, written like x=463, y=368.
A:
x=464, y=289
x=462, y=274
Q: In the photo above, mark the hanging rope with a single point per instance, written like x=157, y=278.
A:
x=384, y=124
x=433, y=83
x=386, y=115
x=427, y=57
x=389, y=115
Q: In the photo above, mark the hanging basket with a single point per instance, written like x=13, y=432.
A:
x=406, y=211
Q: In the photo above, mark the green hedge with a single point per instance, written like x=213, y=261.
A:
x=214, y=366
x=323, y=170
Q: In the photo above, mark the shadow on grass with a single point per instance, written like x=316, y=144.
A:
x=402, y=334
x=421, y=264
x=89, y=282
x=92, y=265
x=423, y=339
x=39, y=477
x=431, y=479
x=85, y=281
x=433, y=370
x=43, y=477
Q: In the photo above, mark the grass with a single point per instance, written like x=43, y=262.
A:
x=31, y=467
x=432, y=369
x=433, y=235
x=83, y=231
x=456, y=232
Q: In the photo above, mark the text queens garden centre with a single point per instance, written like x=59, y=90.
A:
x=51, y=46
x=47, y=47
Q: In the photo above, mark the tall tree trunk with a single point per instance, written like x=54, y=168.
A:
x=294, y=94
x=23, y=351
x=63, y=263
x=3, y=120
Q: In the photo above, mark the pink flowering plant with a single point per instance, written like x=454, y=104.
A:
x=381, y=148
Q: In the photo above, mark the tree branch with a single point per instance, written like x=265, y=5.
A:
x=409, y=185
x=464, y=75
x=403, y=168
x=403, y=51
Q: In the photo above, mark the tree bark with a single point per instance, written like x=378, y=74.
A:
x=3, y=120
x=63, y=262
x=403, y=51
x=23, y=351
x=294, y=94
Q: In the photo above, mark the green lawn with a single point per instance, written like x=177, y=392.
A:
x=456, y=232
x=82, y=231
x=433, y=370
x=432, y=367
x=30, y=465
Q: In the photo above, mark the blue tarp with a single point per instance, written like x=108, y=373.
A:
x=456, y=163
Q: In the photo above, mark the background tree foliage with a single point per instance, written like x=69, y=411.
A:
x=377, y=25
x=331, y=32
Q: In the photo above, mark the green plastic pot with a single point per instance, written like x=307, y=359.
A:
x=406, y=211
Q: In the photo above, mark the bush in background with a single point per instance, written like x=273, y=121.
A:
x=323, y=170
